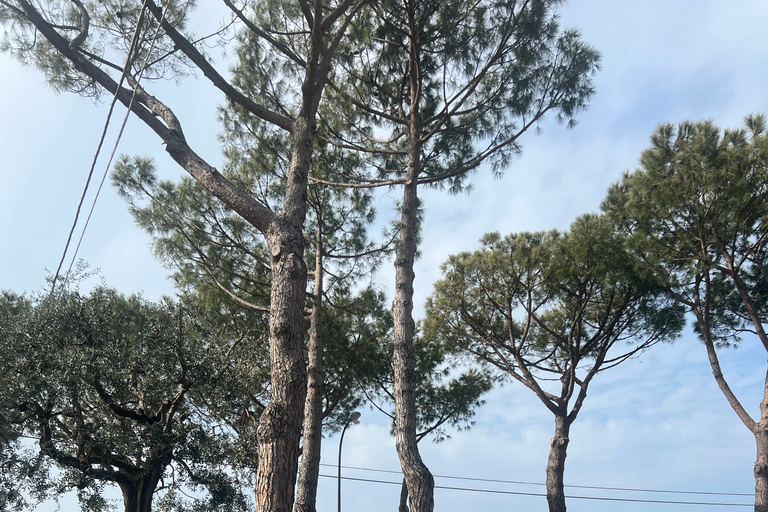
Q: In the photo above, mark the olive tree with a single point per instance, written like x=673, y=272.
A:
x=102, y=389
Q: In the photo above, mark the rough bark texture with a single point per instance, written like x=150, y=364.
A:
x=309, y=469
x=280, y=423
x=403, y=498
x=761, y=464
x=556, y=465
x=417, y=476
x=139, y=489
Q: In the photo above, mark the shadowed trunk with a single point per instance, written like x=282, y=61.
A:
x=761, y=471
x=309, y=469
x=761, y=464
x=556, y=465
x=138, y=490
x=403, y=498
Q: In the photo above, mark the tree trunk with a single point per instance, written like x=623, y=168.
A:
x=403, y=498
x=556, y=465
x=279, y=427
x=418, y=479
x=761, y=464
x=761, y=471
x=139, y=491
x=309, y=470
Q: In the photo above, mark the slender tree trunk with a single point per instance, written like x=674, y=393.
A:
x=309, y=470
x=417, y=477
x=403, y=498
x=761, y=471
x=556, y=465
x=279, y=427
x=761, y=464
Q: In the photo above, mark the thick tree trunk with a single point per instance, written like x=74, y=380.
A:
x=309, y=470
x=139, y=491
x=279, y=427
x=556, y=465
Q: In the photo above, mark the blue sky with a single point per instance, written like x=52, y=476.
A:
x=656, y=422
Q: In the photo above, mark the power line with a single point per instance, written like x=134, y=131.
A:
x=119, y=136
x=518, y=482
x=131, y=49
x=540, y=495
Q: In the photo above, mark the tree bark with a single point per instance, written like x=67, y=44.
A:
x=403, y=498
x=761, y=464
x=761, y=471
x=418, y=478
x=309, y=469
x=139, y=491
x=279, y=427
x=556, y=465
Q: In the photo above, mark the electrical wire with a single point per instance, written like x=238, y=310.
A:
x=131, y=49
x=518, y=482
x=117, y=140
x=541, y=495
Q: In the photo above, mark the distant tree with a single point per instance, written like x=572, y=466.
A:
x=102, y=389
x=551, y=310
x=449, y=86
x=696, y=215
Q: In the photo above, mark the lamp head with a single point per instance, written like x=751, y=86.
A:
x=354, y=416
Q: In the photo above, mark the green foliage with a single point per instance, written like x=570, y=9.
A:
x=106, y=389
x=550, y=306
x=487, y=71
x=695, y=215
x=103, y=31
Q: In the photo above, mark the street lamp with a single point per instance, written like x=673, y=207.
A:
x=352, y=418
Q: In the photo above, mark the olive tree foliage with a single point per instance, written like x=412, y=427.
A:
x=551, y=310
x=696, y=216
x=100, y=389
x=289, y=47
x=444, y=87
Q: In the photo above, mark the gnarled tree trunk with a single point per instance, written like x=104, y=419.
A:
x=138, y=489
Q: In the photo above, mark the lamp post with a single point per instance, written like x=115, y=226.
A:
x=352, y=418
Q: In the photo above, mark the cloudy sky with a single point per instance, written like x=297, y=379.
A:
x=657, y=422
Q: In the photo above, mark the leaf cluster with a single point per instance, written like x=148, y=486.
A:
x=695, y=215
x=550, y=307
x=106, y=388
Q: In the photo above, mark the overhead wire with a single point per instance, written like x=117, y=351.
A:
x=542, y=495
x=519, y=482
x=119, y=134
x=131, y=49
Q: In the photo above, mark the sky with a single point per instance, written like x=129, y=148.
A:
x=656, y=422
